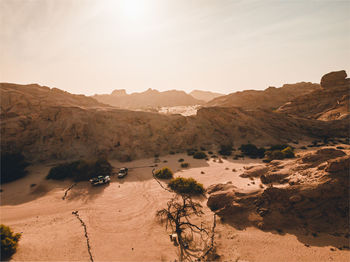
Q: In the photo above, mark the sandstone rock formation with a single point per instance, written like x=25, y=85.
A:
x=149, y=99
x=314, y=199
x=333, y=79
x=271, y=98
x=205, y=96
x=45, y=124
x=329, y=103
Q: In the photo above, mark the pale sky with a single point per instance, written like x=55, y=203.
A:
x=224, y=46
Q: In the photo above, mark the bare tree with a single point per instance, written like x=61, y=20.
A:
x=196, y=243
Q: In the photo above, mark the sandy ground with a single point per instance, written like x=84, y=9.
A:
x=121, y=223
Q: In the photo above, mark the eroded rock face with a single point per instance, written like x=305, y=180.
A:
x=318, y=202
x=46, y=124
x=326, y=104
x=333, y=79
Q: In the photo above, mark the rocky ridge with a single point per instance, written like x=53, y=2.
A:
x=309, y=193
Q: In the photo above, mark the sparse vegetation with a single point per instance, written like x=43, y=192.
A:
x=187, y=186
x=185, y=165
x=200, y=155
x=225, y=150
x=252, y=151
x=164, y=173
x=80, y=170
x=279, y=154
x=210, y=152
x=13, y=166
x=181, y=160
x=172, y=153
x=191, y=151
x=9, y=242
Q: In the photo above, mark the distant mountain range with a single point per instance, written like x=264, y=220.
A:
x=151, y=98
x=204, y=95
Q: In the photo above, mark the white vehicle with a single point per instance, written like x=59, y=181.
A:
x=100, y=180
x=122, y=172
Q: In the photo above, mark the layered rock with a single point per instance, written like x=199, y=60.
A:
x=316, y=199
x=329, y=103
x=271, y=98
x=45, y=124
x=334, y=79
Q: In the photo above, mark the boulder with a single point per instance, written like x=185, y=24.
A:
x=340, y=164
x=333, y=79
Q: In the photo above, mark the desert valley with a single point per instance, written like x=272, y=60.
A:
x=175, y=130
x=268, y=208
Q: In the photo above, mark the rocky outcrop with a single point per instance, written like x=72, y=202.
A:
x=147, y=100
x=318, y=202
x=329, y=103
x=334, y=79
x=271, y=98
x=44, y=128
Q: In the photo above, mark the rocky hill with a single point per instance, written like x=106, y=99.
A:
x=149, y=99
x=270, y=98
x=330, y=102
x=21, y=98
x=46, y=124
x=309, y=193
x=204, y=95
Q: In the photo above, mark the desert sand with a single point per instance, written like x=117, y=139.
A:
x=121, y=223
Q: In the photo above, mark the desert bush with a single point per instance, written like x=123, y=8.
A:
x=225, y=150
x=202, y=148
x=164, y=173
x=288, y=152
x=278, y=147
x=80, y=170
x=13, y=166
x=210, y=152
x=188, y=186
x=184, y=165
x=172, y=153
x=280, y=154
x=276, y=154
x=252, y=151
x=200, y=155
x=181, y=160
x=9, y=242
x=191, y=151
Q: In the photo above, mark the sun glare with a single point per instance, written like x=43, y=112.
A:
x=134, y=9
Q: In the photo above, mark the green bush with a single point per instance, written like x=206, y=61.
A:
x=225, y=150
x=9, y=242
x=13, y=166
x=288, y=152
x=278, y=147
x=252, y=151
x=181, y=160
x=184, y=165
x=80, y=170
x=164, y=173
x=199, y=155
x=188, y=186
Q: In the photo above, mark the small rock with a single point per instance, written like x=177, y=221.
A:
x=295, y=198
